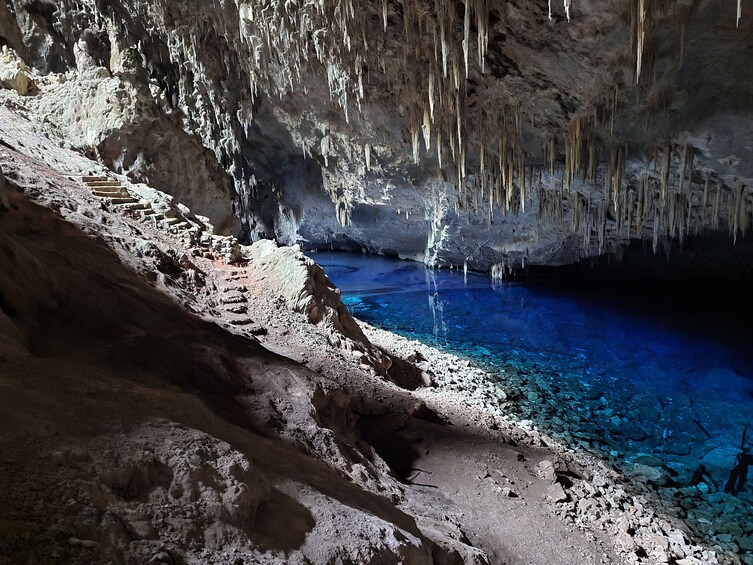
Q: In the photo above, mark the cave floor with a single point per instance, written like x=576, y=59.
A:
x=144, y=421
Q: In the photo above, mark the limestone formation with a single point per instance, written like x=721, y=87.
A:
x=550, y=133
x=14, y=74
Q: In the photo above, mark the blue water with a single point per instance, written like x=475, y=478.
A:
x=618, y=382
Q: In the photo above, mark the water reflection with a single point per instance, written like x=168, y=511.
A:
x=615, y=381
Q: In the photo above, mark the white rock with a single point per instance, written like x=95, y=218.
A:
x=14, y=74
x=556, y=493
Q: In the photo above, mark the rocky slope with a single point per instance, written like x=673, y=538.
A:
x=157, y=428
x=144, y=423
x=495, y=132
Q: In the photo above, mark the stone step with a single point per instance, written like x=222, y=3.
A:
x=95, y=179
x=133, y=207
x=101, y=181
x=173, y=221
x=233, y=299
x=122, y=200
x=236, y=309
x=110, y=194
x=257, y=330
x=103, y=185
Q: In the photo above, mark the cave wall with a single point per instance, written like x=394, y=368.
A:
x=492, y=132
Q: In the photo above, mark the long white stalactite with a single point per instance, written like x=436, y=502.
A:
x=641, y=39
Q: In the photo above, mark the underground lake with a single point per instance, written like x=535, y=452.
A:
x=655, y=394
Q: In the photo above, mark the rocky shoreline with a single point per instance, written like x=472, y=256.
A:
x=641, y=518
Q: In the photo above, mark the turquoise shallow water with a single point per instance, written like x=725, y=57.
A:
x=615, y=380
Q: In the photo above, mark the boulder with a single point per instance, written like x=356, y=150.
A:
x=14, y=74
x=556, y=493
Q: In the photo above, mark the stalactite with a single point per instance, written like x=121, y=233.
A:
x=688, y=213
x=642, y=24
x=705, y=199
x=618, y=157
x=324, y=148
x=683, y=160
x=739, y=12
x=550, y=10
x=482, y=27
x=717, y=206
x=551, y=153
x=426, y=129
x=414, y=136
x=592, y=160
x=384, y=14
x=522, y=179
x=567, y=8
x=466, y=35
x=737, y=209
x=641, y=204
x=443, y=39
x=431, y=95
x=665, y=166
x=743, y=212
x=367, y=155
x=439, y=151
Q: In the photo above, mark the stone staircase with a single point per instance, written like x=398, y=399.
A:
x=166, y=218
x=233, y=301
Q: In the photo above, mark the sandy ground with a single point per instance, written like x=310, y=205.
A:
x=161, y=406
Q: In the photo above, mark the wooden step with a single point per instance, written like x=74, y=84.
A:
x=95, y=179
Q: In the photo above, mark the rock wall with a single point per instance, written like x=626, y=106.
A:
x=498, y=133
